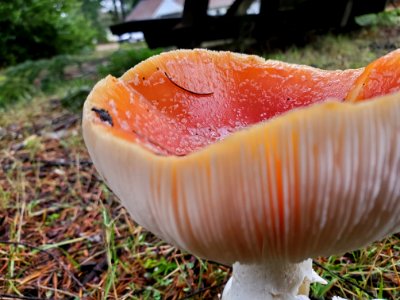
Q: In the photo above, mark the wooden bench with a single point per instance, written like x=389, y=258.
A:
x=287, y=18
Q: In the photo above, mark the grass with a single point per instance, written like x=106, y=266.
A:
x=63, y=234
x=70, y=76
x=344, y=51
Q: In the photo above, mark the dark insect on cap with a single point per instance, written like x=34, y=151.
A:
x=103, y=115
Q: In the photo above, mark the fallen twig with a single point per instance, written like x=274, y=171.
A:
x=64, y=122
x=9, y=296
x=48, y=254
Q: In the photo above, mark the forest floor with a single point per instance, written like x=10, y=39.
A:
x=64, y=235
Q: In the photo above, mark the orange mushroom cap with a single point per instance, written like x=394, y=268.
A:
x=235, y=158
x=381, y=77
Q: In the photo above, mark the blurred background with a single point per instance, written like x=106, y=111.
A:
x=63, y=235
x=47, y=45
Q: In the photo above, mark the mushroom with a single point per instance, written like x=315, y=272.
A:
x=244, y=161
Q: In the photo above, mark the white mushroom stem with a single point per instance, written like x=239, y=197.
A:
x=271, y=280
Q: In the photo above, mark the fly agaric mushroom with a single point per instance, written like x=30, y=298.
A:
x=243, y=161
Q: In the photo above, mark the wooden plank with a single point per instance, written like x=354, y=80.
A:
x=194, y=11
x=145, y=25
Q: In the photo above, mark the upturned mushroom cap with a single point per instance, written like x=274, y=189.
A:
x=316, y=179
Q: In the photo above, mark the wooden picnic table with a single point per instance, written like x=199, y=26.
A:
x=288, y=18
